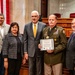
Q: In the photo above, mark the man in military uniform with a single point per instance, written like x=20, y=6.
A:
x=53, y=58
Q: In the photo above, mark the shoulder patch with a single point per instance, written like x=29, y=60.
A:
x=64, y=31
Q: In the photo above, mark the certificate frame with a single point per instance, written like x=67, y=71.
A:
x=47, y=44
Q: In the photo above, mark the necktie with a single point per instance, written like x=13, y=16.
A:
x=34, y=30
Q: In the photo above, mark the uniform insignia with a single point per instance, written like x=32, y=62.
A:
x=45, y=34
x=47, y=37
x=64, y=31
x=56, y=32
x=54, y=39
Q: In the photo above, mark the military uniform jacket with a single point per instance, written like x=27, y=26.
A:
x=57, y=34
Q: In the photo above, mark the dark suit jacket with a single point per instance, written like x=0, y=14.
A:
x=70, y=53
x=31, y=43
x=9, y=48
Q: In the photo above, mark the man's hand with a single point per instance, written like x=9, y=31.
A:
x=23, y=61
x=26, y=56
x=6, y=64
x=50, y=51
x=39, y=46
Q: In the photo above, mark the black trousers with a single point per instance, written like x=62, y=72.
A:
x=1, y=65
x=14, y=66
x=72, y=72
x=35, y=65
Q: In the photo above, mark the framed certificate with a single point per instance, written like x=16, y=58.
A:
x=47, y=44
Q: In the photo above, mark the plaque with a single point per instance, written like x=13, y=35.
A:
x=47, y=44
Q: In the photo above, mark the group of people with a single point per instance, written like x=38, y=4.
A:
x=16, y=49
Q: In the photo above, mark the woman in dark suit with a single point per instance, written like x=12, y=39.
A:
x=12, y=50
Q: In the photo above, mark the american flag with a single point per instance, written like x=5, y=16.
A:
x=5, y=9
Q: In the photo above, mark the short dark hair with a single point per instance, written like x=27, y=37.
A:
x=2, y=15
x=13, y=24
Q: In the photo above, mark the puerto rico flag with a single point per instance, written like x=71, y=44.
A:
x=4, y=8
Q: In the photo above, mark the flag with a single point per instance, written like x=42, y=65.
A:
x=4, y=9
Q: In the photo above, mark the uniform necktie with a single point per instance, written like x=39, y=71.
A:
x=34, y=30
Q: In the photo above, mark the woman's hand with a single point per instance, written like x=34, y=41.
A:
x=6, y=64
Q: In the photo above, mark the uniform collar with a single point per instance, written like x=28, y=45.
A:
x=54, y=27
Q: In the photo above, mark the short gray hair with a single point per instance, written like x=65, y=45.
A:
x=34, y=11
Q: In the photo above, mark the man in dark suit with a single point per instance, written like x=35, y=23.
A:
x=70, y=53
x=32, y=36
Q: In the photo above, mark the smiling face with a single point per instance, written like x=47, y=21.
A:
x=52, y=21
x=1, y=19
x=14, y=29
x=34, y=17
